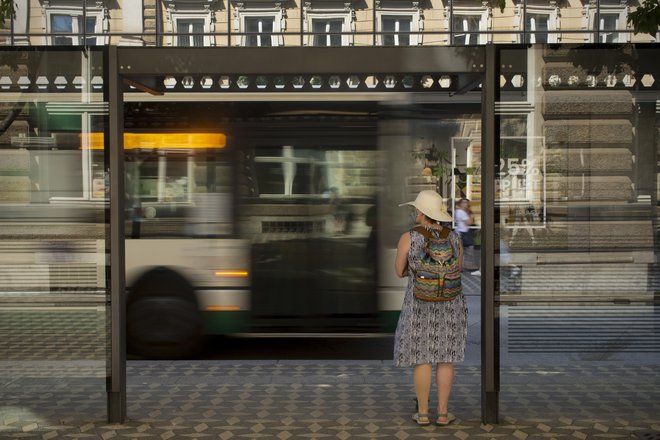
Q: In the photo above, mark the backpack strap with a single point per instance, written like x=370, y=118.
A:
x=428, y=235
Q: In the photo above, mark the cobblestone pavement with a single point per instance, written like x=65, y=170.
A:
x=320, y=399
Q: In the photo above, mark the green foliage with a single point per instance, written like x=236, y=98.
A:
x=7, y=10
x=646, y=18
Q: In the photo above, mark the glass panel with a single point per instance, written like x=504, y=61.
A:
x=576, y=213
x=537, y=28
x=190, y=26
x=61, y=24
x=335, y=29
x=609, y=23
x=393, y=25
x=90, y=28
x=466, y=28
x=172, y=188
x=327, y=27
x=5, y=32
x=54, y=295
x=263, y=27
x=307, y=205
x=435, y=146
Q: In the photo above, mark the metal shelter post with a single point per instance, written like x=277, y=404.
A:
x=490, y=337
x=116, y=387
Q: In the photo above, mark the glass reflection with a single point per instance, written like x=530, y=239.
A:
x=576, y=189
x=53, y=194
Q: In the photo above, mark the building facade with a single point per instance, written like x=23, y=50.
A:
x=213, y=23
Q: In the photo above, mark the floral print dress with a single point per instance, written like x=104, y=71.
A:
x=429, y=332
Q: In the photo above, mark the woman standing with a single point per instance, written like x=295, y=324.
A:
x=429, y=333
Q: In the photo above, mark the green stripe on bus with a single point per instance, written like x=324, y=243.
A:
x=222, y=323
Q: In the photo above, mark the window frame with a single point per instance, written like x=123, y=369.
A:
x=485, y=22
x=279, y=25
x=416, y=24
x=621, y=23
x=329, y=14
x=175, y=16
x=99, y=27
x=553, y=22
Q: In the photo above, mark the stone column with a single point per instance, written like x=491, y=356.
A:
x=21, y=23
x=132, y=17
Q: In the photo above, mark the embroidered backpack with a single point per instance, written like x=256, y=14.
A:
x=437, y=276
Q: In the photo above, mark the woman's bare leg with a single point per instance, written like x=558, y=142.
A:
x=422, y=380
x=444, y=378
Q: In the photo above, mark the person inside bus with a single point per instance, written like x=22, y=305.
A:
x=429, y=333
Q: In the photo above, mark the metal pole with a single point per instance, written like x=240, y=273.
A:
x=451, y=22
x=374, y=24
x=84, y=24
x=117, y=382
x=229, y=24
x=489, y=321
x=159, y=25
x=524, y=24
x=597, y=21
x=302, y=19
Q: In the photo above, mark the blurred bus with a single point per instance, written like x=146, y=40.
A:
x=241, y=218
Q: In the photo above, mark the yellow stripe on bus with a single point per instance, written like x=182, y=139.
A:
x=150, y=141
x=231, y=273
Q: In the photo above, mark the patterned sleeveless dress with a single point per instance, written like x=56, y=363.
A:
x=429, y=332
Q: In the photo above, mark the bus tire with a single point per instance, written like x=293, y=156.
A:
x=163, y=320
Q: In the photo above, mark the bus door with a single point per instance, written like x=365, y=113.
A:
x=309, y=179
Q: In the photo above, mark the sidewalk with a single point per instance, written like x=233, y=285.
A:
x=324, y=399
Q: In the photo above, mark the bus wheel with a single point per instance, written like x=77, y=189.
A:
x=163, y=319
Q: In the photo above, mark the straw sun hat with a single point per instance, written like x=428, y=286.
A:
x=431, y=204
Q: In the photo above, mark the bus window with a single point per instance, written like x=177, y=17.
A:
x=178, y=193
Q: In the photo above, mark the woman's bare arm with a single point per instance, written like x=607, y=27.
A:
x=401, y=261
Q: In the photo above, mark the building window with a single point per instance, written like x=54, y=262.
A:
x=259, y=31
x=541, y=24
x=469, y=25
x=396, y=30
x=399, y=28
x=192, y=27
x=327, y=32
x=66, y=27
x=609, y=23
x=466, y=29
x=329, y=27
x=259, y=27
